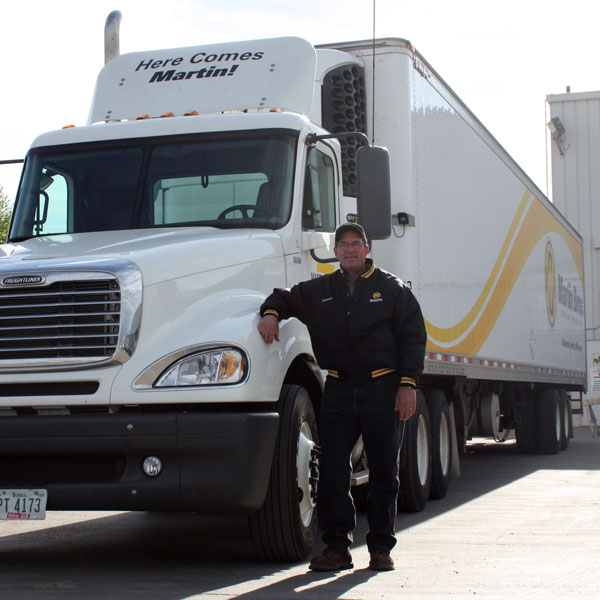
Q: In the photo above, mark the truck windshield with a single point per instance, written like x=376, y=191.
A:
x=225, y=183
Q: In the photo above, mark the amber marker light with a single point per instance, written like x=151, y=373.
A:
x=231, y=365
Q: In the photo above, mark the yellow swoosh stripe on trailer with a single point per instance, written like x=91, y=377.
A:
x=448, y=334
x=538, y=222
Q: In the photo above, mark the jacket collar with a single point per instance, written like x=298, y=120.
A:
x=370, y=269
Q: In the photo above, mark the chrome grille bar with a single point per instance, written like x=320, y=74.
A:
x=58, y=315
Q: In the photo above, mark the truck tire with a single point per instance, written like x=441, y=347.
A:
x=565, y=409
x=284, y=529
x=415, y=460
x=441, y=443
x=548, y=421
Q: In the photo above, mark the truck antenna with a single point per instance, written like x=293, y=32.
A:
x=111, y=35
x=373, y=94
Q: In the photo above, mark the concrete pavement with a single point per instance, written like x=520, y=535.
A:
x=512, y=527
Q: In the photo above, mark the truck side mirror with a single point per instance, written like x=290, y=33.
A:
x=374, y=202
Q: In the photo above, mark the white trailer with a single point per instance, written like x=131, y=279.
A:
x=132, y=375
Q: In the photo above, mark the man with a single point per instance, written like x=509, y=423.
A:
x=367, y=330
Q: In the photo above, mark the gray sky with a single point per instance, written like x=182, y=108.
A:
x=501, y=58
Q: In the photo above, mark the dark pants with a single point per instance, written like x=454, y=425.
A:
x=347, y=411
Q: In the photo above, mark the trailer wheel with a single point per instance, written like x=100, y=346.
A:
x=565, y=409
x=548, y=421
x=284, y=529
x=415, y=460
x=441, y=443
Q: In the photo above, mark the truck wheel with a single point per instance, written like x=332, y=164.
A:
x=441, y=443
x=565, y=408
x=415, y=460
x=548, y=421
x=284, y=529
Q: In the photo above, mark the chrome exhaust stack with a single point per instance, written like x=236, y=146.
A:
x=111, y=35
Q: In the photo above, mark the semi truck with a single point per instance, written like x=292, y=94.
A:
x=132, y=373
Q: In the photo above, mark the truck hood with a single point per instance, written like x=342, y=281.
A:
x=161, y=255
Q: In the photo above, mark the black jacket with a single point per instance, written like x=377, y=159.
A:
x=376, y=331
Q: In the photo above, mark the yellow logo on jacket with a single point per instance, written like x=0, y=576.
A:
x=376, y=297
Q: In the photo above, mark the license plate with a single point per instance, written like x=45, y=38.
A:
x=23, y=504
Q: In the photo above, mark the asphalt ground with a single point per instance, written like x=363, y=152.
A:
x=511, y=527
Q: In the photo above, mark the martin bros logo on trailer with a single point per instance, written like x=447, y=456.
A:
x=562, y=292
x=550, y=284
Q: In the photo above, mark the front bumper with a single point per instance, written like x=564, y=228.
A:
x=213, y=462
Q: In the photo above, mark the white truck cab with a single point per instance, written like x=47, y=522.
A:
x=141, y=248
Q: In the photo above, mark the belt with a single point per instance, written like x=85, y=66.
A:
x=404, y=381
x=373, y=374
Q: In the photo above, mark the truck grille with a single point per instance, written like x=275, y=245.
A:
x=66, y=319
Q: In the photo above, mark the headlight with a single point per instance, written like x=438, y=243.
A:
x=213, y=367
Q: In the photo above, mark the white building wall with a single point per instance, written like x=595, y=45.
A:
x=575, y=172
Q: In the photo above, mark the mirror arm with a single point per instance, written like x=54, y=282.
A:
x=313, y=138
x=322, y=260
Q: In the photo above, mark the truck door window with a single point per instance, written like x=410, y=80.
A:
x=318, y=202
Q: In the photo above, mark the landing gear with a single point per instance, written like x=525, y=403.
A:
x=525, y=420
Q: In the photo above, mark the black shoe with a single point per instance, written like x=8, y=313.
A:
x=381, y=561
x=331, y=560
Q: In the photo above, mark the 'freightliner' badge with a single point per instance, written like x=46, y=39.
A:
x=23, y=280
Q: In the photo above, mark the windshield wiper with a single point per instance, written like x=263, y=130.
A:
x=23, y=238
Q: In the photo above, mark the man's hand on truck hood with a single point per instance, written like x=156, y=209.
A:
x=268, y=328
